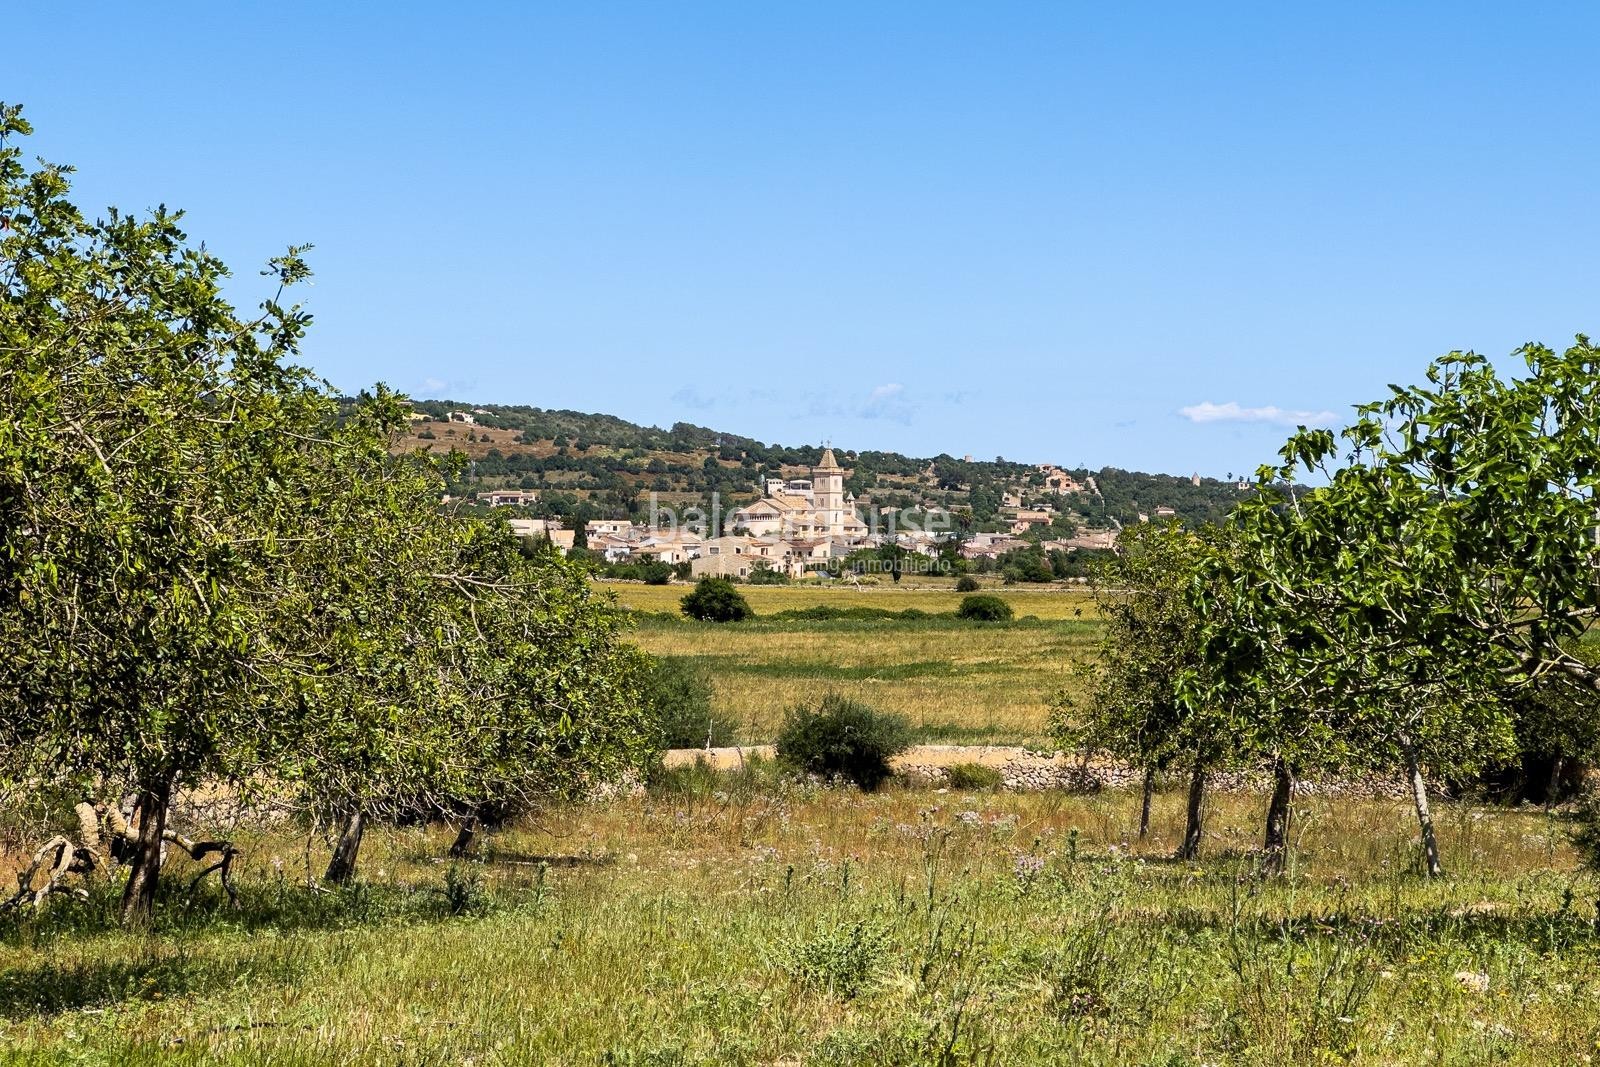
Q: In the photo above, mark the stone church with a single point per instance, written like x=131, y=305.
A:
x=799, y=511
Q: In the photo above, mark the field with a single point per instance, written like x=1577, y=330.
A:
x=743, y=921
x=955, y=681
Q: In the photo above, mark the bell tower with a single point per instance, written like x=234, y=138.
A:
x=827, y=491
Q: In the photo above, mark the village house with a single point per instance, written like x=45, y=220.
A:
x=532, y=527
x=1026, y=520
x=612, y=528
x=497, y=498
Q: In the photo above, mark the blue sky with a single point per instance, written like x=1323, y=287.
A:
x=1138, y=235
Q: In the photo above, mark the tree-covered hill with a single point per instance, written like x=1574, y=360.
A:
x=588, y=465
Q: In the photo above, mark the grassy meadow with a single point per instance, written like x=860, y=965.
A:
x=955, y=681
x=738, y=920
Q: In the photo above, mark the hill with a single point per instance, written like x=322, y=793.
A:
x=594, y=466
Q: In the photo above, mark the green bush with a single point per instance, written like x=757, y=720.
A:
x=984, y=607
x=678, y=694
x=716, y=600
x=765, y=575
x=839, y=961
x=842, y=739
x=973, y=776
x=967, y=584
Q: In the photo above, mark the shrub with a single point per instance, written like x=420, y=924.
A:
x=678, y=694
x=967, y=584
x=716, y=600
x=842, y=738
x=765, y=575
x=984, y=607
x=973, y=776
x=838, y=961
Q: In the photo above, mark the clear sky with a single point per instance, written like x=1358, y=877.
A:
x=1123, y=234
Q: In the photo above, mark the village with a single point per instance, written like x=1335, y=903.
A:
x=801, y=526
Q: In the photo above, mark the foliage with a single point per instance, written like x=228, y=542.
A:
x=213, y=572
x=716, y=600
x=678, y=693
x=967, y=584
x=973, y=776
x=842, y=738
x=765, y=574
x=839, y=960
x=984, y=607
x=1133, y=704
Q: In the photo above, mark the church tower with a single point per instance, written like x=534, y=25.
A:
x=827, y=492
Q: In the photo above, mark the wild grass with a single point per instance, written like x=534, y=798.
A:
x=736, y=919
x=954, y=681
x=957, y=682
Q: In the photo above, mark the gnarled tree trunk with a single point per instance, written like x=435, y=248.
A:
x=342, y=866
x=1144, y=801
x=139, y=895
x=1419, y=796
x=1275, y=847
x=1194, y=822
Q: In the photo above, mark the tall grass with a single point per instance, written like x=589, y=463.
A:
x=752, y=920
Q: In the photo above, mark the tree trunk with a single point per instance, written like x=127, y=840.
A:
x=139, y=895
x=1196, y=814
x=1275, y=848
x=1552, y=789
x=342, y=867
x=465, y=837
x=1419, y=795
x=1144, y=801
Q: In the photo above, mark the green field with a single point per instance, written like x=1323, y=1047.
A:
x=731, y=922
x=955, y=681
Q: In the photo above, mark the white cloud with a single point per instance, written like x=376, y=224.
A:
x=888, y=402
x=1232, y=411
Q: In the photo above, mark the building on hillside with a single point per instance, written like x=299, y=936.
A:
x=613, y=528
x=1163, y=511
x=499, y=498
x=1026, y=520
x=818, y=509
x=1098, y=539
x=532, y=527
x=1058, y=481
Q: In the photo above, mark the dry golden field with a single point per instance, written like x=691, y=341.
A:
x=955, y=681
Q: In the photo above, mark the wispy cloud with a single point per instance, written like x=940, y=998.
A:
x=1233, y=411
x=436, y=389
x=888, y=401
x=690, y=397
